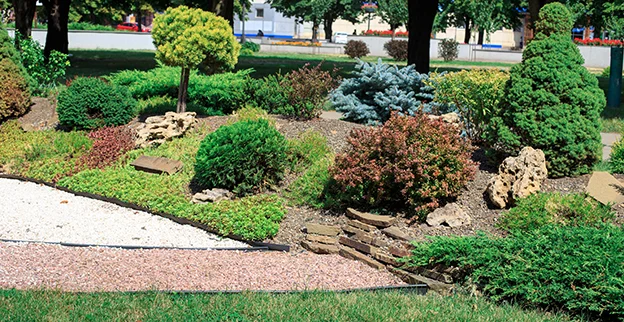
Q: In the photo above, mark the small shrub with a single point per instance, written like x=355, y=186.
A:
x=577, y=269
x=242, y=157
x=246, y=52
x=44, y=73
x=448, y=49
x=606, y=72
x=307, y=149
x=397, y=49
x=617, y=157
x=309, y=189
x=91, y=103
x=109, y=143
x=14, y=91
x=356, y=49
x=474, y=94
x=543, y=209
x=308, y=90
x=250, y=45
x=251, y=114
x=378, y=89
x=159, y=105
x=409, y=162
x=270, y=93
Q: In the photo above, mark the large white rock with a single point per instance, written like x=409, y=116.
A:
x=518, y=177
x=158, y=129
x=452, y=215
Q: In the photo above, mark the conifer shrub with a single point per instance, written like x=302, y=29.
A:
x=250, y=45
x=448, y=49
x=14, y=90
x=397, y=49
x=356, y=49
x=242, y=157
x=91, y=103
x=617, y=157
x=377, y=89
x=411, y=162
x=270, y=93
x=551, y=101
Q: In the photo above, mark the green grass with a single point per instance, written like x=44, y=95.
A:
x=308, y=306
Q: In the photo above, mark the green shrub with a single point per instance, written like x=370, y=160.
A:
x=246, y=52
x=44, y=73
x=410, y=163
x=617, y=157
x=310, y=188
x=448, y=49
x=543, y=209
x=307, y=149
x=270, y=93
x=475, y=94
x=551, y=101
x=241, y=157
x=91, y=103
x=356, y=49
x=14, y=90
x=397, y=49
x=159, y=105
x=249, y=113
x=578, y=269
x=250, y=45
x=606, y=72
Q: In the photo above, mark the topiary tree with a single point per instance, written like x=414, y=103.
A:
x=191, y=38
x=551, y=101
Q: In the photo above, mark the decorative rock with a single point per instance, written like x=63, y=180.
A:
x=451, y=214
x=325, y=230
x=212, y=195
x=396, y=233
x=319, y=248
x=375, y=220
x=364, y=248
x=360, y=225
x=449, y=118
x=438, y=287
x=322, y=239
x=605, y=188
x=385, y=258
x=158, y=129
x=156, y=165
x=399, y=251
x=518, y=177
x=355, y=255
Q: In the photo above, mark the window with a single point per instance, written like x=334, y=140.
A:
x=259, y=13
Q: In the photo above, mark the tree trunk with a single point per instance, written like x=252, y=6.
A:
x=58, y=16
x=420, y=25
x=393, y=28
x=243, y=31
x=183, y=90
x=481, y=36
x=328, y=27
x=24, y=11
x=468, y=32
x=138, y=16
x=315, y=28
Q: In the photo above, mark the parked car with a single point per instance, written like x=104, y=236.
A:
x=132, y=26
x=340, y=37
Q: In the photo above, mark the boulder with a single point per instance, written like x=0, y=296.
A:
x=158, y=129
x=518, y=177
x=212, y=195
x=452, y=215
x=449, y=118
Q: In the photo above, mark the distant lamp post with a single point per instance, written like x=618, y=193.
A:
x=369, y=7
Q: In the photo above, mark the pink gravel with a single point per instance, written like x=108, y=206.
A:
x=37, y=266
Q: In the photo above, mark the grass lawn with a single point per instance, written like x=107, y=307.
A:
x=308, y=306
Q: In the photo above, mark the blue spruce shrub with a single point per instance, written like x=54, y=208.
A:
x=378, y=89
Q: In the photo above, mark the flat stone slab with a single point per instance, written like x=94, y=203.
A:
x=375, y=220
x=319, y=248
x=396, y=233
x=156, y=165
x=605, y=188
x=324, y=230
x=351, y=253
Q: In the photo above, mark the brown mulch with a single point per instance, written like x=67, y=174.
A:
x=36, y=266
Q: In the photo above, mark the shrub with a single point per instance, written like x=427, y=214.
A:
x=378, y=89
x=538, y=210
x=474, y=94
x=44, y=73
x=249, y=113
x=356, y=49
x=91, y=103
x=307, y=90
x=309, y=189
x=448, y=49
x=159, y=105
x=250, y=45
x=307, y=149
x=270, y=94
x=14, y=90
x=109, y=143
x=606, y=72
x=397, y=49
x=241, y=157
x=578, y=269
x=551, y=101
x=8, y=51
x=617, y=157
x=409, y=162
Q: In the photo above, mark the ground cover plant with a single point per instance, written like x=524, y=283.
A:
x=411, y=162
x=551, y=102
x=305, y=306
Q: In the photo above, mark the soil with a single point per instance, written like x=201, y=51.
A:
x=41, y=116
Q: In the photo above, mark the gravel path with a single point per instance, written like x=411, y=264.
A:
x=36, y=266
x=29, y=211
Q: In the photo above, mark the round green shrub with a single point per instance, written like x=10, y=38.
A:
x=90, y=103
x=617, y=157
x=242, y=157
x=14, y=90
x=551, y=101
x=251, y=46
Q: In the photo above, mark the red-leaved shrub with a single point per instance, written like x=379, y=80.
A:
x=109, y=143
x=309, y=87
x=411, y=162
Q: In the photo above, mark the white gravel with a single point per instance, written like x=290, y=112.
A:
x=29, y=211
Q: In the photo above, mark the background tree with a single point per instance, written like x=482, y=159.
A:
x=24, y=14
x=241, y=9
x=349, y=10
x=393, y=12
x=58, y=18
x=614, y=19
x=420, y=26
x=191, y=38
